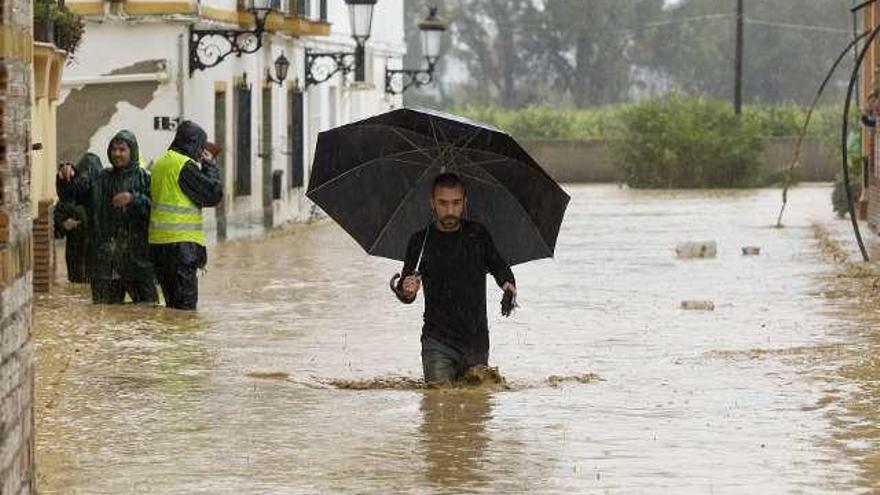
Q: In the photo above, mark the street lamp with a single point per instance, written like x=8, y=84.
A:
x=321, y=66
x=360, y=16
x=281, y=67
x=209, y=47
x=431, y=28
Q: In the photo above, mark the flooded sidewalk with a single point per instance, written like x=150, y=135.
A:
x=300, y=373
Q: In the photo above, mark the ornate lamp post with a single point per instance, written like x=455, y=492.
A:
x=321, y=66
x=209, y=47
x=432, y=28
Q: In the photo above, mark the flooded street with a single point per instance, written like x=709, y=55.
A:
x=612, y=387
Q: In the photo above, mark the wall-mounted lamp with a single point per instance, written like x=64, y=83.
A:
x=281, y=67
x=209, y=47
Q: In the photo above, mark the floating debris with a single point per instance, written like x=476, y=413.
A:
x=698, y=305
x=269, y=375
x=557, y=380
x=701, y=249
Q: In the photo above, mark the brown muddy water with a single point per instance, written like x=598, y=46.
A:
x=300, y=373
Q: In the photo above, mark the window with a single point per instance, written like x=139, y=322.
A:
x=295, y=119
x=266, y=155
x=243, y=140
x=303, y=7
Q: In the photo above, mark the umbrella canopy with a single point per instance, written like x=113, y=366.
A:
x=374, y=178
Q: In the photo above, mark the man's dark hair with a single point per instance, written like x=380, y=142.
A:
x=449, y=180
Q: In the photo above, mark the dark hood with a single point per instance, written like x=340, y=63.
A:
x=189, y=140
x=129, y=138
x=89, y=165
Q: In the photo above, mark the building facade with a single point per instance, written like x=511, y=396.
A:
x=133, y=71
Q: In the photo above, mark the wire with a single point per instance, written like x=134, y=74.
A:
x=797, y=26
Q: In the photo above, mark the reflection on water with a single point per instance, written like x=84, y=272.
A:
x=454, y=438
x=301, y=374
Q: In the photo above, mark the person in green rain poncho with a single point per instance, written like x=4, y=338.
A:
x=70, y=217
x=118, y=215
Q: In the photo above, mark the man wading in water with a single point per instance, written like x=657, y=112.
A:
x=452, y=261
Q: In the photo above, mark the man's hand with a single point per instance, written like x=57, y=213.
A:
x=122, y=199
x=66, y=171
x=509, y=287
x=70, y=224
x=411, y=285
x=508, y=301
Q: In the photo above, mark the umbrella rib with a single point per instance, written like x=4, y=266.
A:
x=411, y=143
x=484, y=162
x=470, y=138
x=501, y=186
x=519, y=204
x=366, y=164
x=531, y=222
x=434, y=132
x=496, y=183
x=397, y=210
x=443, y=150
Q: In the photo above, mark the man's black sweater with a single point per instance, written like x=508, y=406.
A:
x=453, y=271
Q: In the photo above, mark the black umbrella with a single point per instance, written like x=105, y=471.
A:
x=374, y=178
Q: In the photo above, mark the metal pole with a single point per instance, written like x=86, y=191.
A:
x=360, y=70
x=738, y=68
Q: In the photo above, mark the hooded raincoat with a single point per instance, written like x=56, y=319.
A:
x=73, y=204
x=199, y=180
x=120, y=251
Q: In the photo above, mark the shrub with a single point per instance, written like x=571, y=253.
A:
x=686, y=142
x=546, y=122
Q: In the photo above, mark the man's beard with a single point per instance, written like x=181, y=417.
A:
x=450, y=221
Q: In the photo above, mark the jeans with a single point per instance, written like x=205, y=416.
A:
x=443, y=363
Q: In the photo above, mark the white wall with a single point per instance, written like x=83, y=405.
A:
x=95, y=59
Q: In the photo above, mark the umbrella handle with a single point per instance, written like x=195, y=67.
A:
x=393, y=283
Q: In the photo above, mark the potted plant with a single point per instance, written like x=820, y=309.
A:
x=69, y=29
x=44, y=21
x=55, y=23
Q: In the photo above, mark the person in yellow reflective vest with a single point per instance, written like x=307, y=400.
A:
x=184, y=180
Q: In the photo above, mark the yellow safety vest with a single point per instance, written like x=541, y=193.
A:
x=173, y=216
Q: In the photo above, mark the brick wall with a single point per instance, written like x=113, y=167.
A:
x=44, y=248
x=16, y=279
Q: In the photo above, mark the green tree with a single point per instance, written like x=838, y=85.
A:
x=492, y=38
x=789, y=44
x=589, y=50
